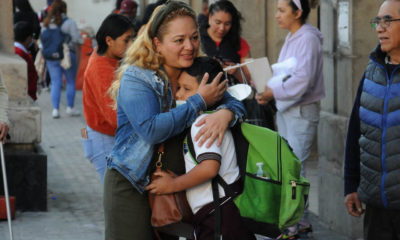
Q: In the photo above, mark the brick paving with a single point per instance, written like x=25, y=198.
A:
x=75, y=209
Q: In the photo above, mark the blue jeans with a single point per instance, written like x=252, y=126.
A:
x=96, y=148
x=56, y=73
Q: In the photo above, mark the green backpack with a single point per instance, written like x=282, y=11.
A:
x=266, y=205
x=279, y=197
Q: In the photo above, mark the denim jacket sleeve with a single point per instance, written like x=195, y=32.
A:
x=234, y=105
x=141, y=104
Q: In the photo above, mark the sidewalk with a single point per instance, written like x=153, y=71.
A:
x=74, y=200
x=75, y=210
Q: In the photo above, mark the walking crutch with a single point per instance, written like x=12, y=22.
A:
x=3, y=167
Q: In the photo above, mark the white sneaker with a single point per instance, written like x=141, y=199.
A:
x=72, y=112
x=55, y=113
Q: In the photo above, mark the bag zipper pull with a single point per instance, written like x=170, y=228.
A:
x=293, y=189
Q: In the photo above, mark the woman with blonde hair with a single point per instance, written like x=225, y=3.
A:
x=144, y=95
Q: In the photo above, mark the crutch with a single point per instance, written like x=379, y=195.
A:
x=3, y=167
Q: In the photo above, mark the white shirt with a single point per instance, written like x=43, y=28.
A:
x=201, y=195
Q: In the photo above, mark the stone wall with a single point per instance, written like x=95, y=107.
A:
x=6, y=26
x=343, y=67
x=24, y=116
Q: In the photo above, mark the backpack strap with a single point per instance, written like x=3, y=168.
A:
x=215, y=191
x=214, y=183
x=217, y=207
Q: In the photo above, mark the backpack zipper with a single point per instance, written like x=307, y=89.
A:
x=294, y=185
x=293, y=189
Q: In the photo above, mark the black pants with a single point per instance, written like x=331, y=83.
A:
x=382, y=224
x=231, y=225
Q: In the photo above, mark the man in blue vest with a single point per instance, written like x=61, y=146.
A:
x=372, y=158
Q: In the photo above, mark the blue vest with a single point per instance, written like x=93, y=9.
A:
x=380, y=135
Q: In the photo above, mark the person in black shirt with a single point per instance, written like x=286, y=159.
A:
x=23, y=12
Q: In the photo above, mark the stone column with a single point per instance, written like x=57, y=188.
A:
x=6, y=26
x=24, y=115
x=348, y=40
x=26, y=162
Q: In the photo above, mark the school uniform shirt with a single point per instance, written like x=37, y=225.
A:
x=21, y=51
x=200, y=195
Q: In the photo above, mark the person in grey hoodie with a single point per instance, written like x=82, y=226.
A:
x=302, y=90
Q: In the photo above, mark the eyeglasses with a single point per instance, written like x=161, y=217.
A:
x=383, y=22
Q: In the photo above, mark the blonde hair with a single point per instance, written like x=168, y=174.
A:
x=142, y=52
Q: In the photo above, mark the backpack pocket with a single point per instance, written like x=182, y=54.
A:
x=260, y=199
x=294, y=198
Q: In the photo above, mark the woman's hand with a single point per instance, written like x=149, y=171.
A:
x=264, y=97
x=215, y=125
x=213, y=92
x=163, y=184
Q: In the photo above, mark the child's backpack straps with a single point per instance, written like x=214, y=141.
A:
x=214, y=183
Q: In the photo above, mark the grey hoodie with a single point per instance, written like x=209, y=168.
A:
x=306, y=84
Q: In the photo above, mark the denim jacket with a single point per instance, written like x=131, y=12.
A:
x=142, y=123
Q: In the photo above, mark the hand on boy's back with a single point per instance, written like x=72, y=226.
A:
x=214, y=128
x=163, y=183
x=214, y=91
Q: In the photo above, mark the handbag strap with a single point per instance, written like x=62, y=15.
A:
x=215, y=191
x=217, y=207
x=160, y=154
x=166, y=108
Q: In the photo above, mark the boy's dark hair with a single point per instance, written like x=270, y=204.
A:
x=202, y=65
x=22, y=30
x=114, y=26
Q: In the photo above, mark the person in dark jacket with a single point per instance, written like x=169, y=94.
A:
x=149, y=10
x=23, y=37
x=23, y=12
x=221, y=38
x=372, y=157
x=202, y=18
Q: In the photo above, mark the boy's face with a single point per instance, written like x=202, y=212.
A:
x=187, y=86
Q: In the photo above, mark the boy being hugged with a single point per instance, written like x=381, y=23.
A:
x=202, y=168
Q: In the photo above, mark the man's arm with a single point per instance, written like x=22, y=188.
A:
x=352, y=159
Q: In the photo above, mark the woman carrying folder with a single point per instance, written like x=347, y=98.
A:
x=303, y=89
